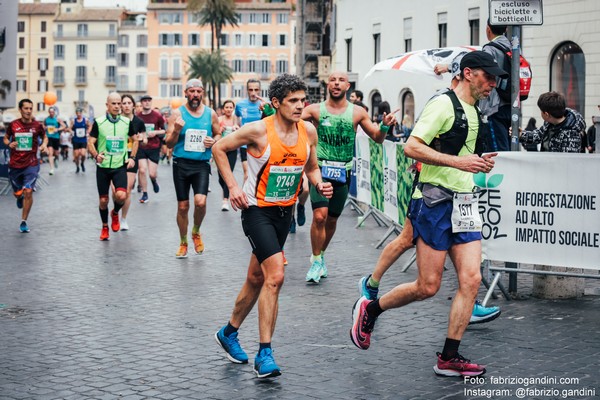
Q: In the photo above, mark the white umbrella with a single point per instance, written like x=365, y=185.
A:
x=421, y=61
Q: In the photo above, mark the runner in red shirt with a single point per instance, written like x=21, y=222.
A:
x=22, y=138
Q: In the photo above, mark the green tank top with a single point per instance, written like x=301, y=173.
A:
x=336, y=136
x=112, y=140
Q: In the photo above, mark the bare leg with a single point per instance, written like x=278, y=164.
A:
x=183, y=208
x=318, y=231
x=394, y=250
x=248, y=294
x=142, y=169
x=199, y=209
x=27, y=203
x=330, y=227
x=273, y=272
x=130, y=184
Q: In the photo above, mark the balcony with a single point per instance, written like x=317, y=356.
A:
x=81, y=81
x=58, y=82
x=110, y=81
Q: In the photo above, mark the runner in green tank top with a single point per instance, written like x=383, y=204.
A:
x=337, y=120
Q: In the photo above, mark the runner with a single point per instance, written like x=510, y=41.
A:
x=449, y=153
x=248, y=110
x=22, y=138
x=65, y=143
x=228, y=125
x=80, y=127
x=149, y=154
x=53, y=126
x=336, y=120
x=107, y=146
x=127, y=105
x=280, y=147
x=193, y=129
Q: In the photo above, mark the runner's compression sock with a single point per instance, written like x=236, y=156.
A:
x=229, y=329
x=374, y=309
x=104, y=215
x=184, y=239
x=118, y=206
x=450, y=349
x=196, y=229
x=263, y=346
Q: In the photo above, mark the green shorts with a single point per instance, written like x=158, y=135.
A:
x=336, y=203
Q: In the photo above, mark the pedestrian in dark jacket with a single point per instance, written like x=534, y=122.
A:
x=531, y=125
x=563, y=127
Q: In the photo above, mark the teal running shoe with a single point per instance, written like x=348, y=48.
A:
x=232, y=347
x=483, y=314
x=23, y=227
x=366, y=290
x=314, y=273
x=264, y=365
x=324, y=272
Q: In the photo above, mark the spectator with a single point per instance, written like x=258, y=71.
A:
x=591, y=134
x=562, y=129
x=356, y=96
x=394, y=134
x=531, y=125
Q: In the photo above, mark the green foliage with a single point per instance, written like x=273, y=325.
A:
x=211, y=68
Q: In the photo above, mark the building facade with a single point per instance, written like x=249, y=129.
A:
x=131, y=75
x=563, y=52
x=260, y=47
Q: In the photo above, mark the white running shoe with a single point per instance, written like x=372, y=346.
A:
x=124, y=225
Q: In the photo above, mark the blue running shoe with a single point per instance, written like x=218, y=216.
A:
x=232, y=347
x=301, y=215
x=20, y=201
x=144, y=198
x=293, y=226
x=366, y=290
x=155, y=186
x=314, y=273
x=23, y=227
x=483, y=314
x=264, y=365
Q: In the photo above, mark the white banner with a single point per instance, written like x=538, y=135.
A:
x=363, y=168
x=542, y=208
x=390, y=180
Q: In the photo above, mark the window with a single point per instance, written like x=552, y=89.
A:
x=111, y=51
x=567, y=74
x=264, y=93
x=177, y=39
x=282, y=18
x=21, y=43
x=59, y=95
x=59, y=52
x=141, y=60
x=265, y=67
x=265, y=40
x=282, y=66
x=81, y=51
x=80, y=74
x=176, y=68
x=282, y=40
x=252, y=40
x=253, y=18
x=208, y=39
x=123, y=83
x=349, y=55
x=164, y=90
x=266, y=18
x=142, y=40
x=238, y=40
x=193, y=18
x=21, y=85
x=21, y=63
x=237, y=90
x=237, y=65
x=42, y=64
x=407, y=35
x=59, y=30
x=41, y=106
x=175, y=90
x=21, y=26
x=82, y=30
x=123, y=60
x=43, y=43
x=59, y=75
x=251, y=65
x=112, y=30
x=164, y=69
x=376, y=47
x=169, y=39
x=170, y=18
x=474, y=26
x=111, y=74
x=123, y=41
x=224, y=39
x=43, y=26
x=42, y=85
x=140, y=83
x=442, y=29
x=194, y=39
x=81, y=96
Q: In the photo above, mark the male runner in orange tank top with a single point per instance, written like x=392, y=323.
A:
x=280, y=148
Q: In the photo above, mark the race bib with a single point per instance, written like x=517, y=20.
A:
x=115, y=145
x=465, y=213
x=24, y=141
x=283, y=182
x=194, y=140
x=51, y=129
x=80, y=132
x=334, y=171
x=149, y=127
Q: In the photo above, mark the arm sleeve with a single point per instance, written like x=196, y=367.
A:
x=131, y=130
x=94, y=132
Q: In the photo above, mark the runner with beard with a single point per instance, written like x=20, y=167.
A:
x=336, y=120
x=192, y=130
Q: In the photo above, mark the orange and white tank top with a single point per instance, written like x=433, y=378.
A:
x=274, y=177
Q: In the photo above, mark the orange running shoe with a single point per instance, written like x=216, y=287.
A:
x=115, y=224
x=285, y=261
x=182, y=252
x=104, y=233
x=198, y=245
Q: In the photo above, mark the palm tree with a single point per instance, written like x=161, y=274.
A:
x=217, y=14
x=212, y=69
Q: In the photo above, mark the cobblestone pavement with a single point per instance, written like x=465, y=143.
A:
x=124, y=319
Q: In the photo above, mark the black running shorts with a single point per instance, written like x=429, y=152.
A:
x=190, y=173
x=266, y=228
x=104, y=176
x=149, y=154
